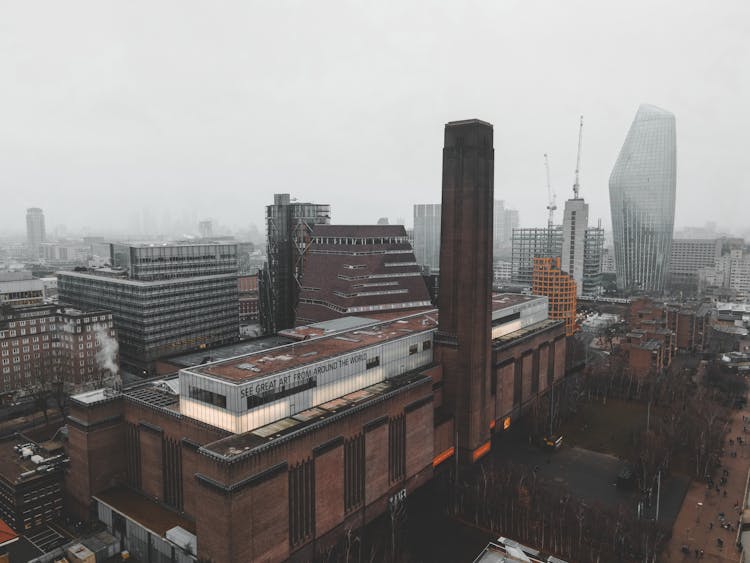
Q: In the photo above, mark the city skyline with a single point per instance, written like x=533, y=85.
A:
x=148, y=115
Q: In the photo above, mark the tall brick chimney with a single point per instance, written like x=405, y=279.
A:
x=463, y=341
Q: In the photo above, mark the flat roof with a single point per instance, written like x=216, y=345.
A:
x=505, y=300
x=241, y=445
x=148, y=513
x=226, y=352
x=289, y=356
x=12, y=464
x=92, y=275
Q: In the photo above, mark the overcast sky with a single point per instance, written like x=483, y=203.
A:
x=205, y=109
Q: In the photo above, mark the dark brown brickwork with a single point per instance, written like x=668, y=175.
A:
x=463, y=339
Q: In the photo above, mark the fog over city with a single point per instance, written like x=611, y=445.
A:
x=188, y=110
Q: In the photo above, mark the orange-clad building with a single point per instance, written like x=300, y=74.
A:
x=559, y=287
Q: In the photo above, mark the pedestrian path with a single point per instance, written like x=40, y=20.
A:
x=710, y=514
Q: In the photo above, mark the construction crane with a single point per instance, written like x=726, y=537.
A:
x=576, y=185
x=551, y=197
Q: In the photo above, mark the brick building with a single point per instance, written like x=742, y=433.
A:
x=248, y=295
x=31, y=482
x=548, y=279
x=273, y=455
x=358, y=269
x=46, y=345
x=650, y=344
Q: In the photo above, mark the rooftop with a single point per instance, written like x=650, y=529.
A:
x=236, y=446
x=286, y=357
x=148, y=513
x=358, y=231
x=229, y=351
x=13, y=464
x=503, y=300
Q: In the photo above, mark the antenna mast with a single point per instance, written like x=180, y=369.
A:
x=577, y=186
x=551, y=197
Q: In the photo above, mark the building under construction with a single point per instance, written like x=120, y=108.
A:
x=593, y=255
x=530, y=243
x=288, y=228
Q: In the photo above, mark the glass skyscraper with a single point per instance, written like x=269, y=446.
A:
x=642, y=198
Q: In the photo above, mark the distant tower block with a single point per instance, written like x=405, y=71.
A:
x=464, y=331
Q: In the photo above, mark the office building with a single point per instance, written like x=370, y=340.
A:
x=165, y=298
x=31, y=482
x=427, y=233
x=530, y=243
x=288, y=227
x=358, y=269
x=560, y=289
x=504, y=221
x=272, y=455
x=35, y=230
x=642, y=199
x=427, y=236
x=575, y=224
x=47, y=346
x=687, y=257
x=20, y=289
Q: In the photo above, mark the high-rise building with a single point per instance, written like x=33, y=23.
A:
x=164, y=298
x=560, y=289
x=358, y=269
x=288, y=228
x=427, y=236
x=504, y=221
x=35, y=231
x=642, y=199
x=688, y=256
x=530, y=243
x=593, y=257
x=465, y=321
x=206, y=228
x=575, y=224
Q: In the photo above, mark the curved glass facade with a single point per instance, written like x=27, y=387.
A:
x=642, y=198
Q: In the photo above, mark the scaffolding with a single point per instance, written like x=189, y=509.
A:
x=288, y=228
x=531, y=243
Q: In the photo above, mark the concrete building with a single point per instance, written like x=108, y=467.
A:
x=575, y=223
x=504, y=221
x=36, y=233
x=593, y=261
x=44, y=346
x=358, y=269
x=688, y=256
x=288, y=227
x=427, y=236
x=560, y=289
x=531, y=243
x=427, y=233
x=165, y=298
x=20, y=289
x=642, y=199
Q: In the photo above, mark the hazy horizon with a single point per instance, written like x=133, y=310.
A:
x=206, y=111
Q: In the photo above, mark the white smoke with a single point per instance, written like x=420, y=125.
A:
x=106, y=355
